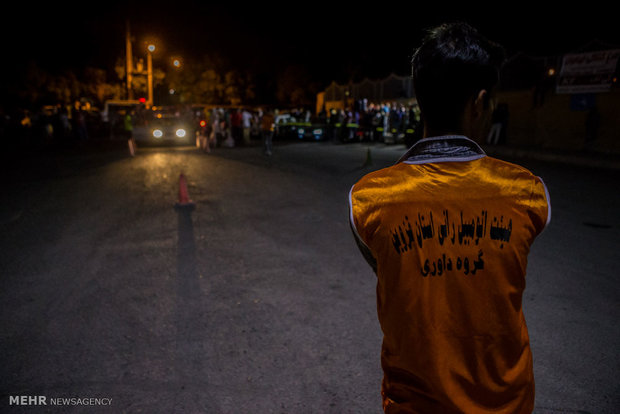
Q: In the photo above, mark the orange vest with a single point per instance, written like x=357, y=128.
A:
x=450, y=236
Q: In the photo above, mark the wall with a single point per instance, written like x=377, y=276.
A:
x=555, y=125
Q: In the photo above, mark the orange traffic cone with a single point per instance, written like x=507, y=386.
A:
x=184, y=200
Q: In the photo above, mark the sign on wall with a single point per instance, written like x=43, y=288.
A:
x=589, y=72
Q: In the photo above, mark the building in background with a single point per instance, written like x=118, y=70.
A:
x=393, y=88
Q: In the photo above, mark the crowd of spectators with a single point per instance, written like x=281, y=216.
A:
x=62, y=126
x=52, y=125
x=374, y=122
x=235, y=126
x=67, y=125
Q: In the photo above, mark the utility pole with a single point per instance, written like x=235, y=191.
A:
x=129, y=58
x=149, y=73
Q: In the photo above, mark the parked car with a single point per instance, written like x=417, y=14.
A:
x=289, y=127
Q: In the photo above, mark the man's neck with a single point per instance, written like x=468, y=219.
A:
x=435, y=132
x=438, y=132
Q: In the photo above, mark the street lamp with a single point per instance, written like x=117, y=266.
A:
x=176, y=63
x=149, y=72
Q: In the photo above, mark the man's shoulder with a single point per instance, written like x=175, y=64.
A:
x=509, y=169
x=381, y=177
x=507, y=164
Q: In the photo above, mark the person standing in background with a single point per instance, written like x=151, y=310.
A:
x=246, y=124
x=267, y=128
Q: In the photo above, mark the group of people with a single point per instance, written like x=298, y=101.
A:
x=51, y=125
x=236, y=127
x=365, y=121
x=372, y=122
x=62, y=125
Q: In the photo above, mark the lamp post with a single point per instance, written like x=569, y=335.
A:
x=149, y=73
x=128, y=61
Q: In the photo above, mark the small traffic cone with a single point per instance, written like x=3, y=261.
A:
x=368, y=159
x=184, y=200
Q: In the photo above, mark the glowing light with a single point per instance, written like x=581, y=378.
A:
x=317, y=134
x=142, y=100
x=151, y=48
x=203, y=123
x=176, y=62
x=180, y=132
x=157, y=133
x=171, y=91
x=158, y=116
x=551, y=72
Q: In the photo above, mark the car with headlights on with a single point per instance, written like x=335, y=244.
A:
x=165, y=128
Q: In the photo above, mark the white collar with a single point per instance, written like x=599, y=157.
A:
x=468, y=151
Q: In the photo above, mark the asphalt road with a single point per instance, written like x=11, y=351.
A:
x=257, y=301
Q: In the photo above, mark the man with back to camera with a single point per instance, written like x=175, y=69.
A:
x=447, y=230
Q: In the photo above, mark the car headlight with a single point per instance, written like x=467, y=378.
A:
x=180, y=133
x=157, y=133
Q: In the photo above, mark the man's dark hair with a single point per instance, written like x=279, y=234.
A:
x=453, y=64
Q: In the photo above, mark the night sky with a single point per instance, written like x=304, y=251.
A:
x=332, y=41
